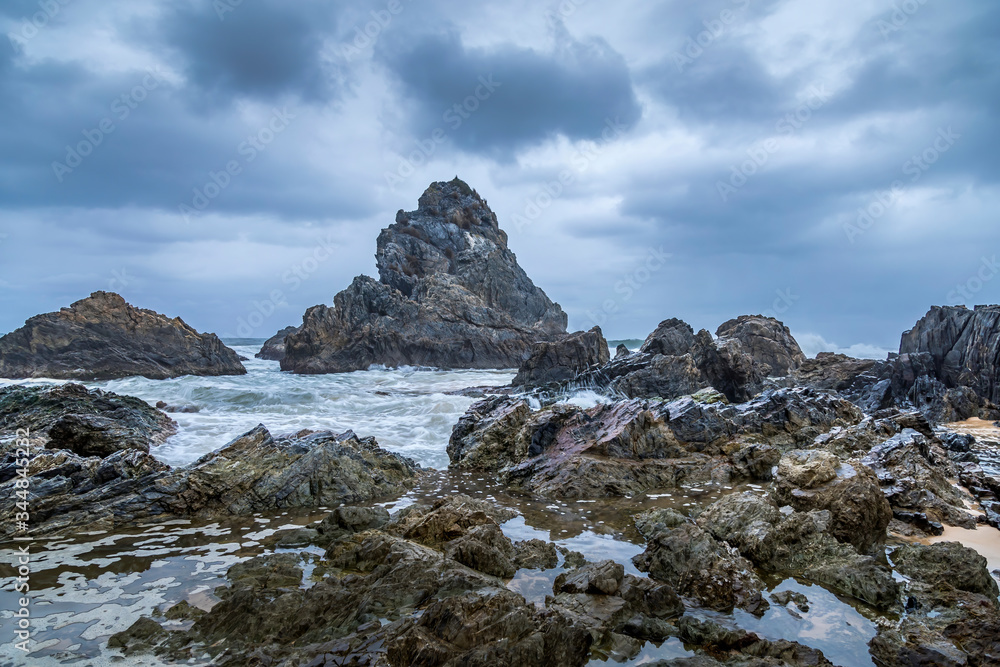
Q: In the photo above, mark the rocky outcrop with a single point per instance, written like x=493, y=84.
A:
x=563, y=359
x=86, y=422
x=800, y=543
x=952, y=613
x=274, y=347
x=964, y=347
x=767, y=341
x=102, y=337
x=674, y=361
x=451, y=294
x=627, y=447
x=415, y=591
x=254, y=473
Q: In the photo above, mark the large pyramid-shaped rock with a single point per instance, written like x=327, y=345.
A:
x=102, y=337
x=450, y=294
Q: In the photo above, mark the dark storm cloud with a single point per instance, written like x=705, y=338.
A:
x=575, y=90
x=262, y=49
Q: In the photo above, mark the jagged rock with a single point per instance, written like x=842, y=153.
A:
x=103, y=338
x=628, y=447
x=672, y=338
x=695, y=564
x=817, y=480
x=766, y=340
x=953, y=617
x=274, y=347
x=798, y=544
x=88, y=422
x=561, y=360
x=602, y=578
x=451, y=294
x=913, y=471
x=253, y=473
x=535, y=555
x=622, y=351
x=661, y=376
x=964, y=347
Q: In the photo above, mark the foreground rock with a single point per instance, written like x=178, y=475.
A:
x=450, y=294
x=628, y=447
x=102, y=338
x=254, y=473
x=953, y=617
x=416, y=590
x=85, y=422
x=274, y=347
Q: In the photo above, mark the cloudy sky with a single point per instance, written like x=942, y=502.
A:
x=231, y=161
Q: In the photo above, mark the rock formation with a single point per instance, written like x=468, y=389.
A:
x=450, y=294
x=102, y=337
x=674, y=361
x=563, y=359
x=255, y=472
x=274, y=347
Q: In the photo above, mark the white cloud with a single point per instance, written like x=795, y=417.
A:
x=812, y=344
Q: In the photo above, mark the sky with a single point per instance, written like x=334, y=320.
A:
x=830, y=163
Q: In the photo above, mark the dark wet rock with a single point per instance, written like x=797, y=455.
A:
x=486, y=549
x=956, y=442
x=785, y=597
x=817, y=480
x=622, y=351
x=953, y=617
x=798, y=544
x=254, y=473
x=659, y=376
x=736, y=646
x=269, y=571
x=183, y=409
x=964, y=347
x=447, y=519
x=755, y=461
x=628, y=447
x=140, y=636
x=349, y=520
x=274, y=347
x=914, y=471
x=562, y=359
x=292, y=538
x=182, y=611
x=490, y=627
x=601, y=578
x=535, y=555
x=102, y=338
x=697, y=565
x=767, y=341
x=87, y=418
x=946, y=564
x=450, y=294
x=672, y=338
